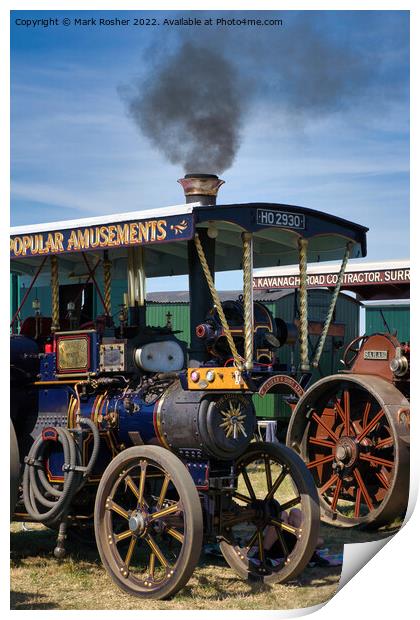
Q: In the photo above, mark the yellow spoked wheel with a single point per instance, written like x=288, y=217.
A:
x=271, y=527
x=148, y=522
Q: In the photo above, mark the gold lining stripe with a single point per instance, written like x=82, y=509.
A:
x=157, y=426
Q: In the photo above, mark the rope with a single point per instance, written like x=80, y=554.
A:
x=248, y=300
x=303, y=304
x=107, y=284
x=333, y=302
x=55, y=295
x=216, y=301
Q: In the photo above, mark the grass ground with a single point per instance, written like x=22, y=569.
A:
x=39, y=581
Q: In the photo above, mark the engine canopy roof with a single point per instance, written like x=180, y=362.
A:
x=164, y=234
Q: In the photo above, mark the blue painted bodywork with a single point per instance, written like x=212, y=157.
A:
x=116, y=414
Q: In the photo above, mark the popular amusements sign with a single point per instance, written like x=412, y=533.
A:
x=120, y=234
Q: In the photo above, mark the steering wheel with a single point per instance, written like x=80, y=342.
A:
x=352, y=350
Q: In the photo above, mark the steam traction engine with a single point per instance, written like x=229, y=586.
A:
x=116, y=425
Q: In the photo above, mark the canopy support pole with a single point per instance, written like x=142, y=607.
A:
x=247, y=266
x=136, y=286
x=107, y=283
x=217, y=302
x=55, y=295
x=328, y=318
x=303, y=305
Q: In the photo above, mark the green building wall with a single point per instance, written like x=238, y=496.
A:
x=396, y=317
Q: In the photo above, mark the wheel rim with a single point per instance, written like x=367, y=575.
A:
x=143, y=528
x=268, y=528
x=352, y=449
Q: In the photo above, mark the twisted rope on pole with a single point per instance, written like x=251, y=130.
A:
x=303, y=304
x=107, y=283
x=55, y=295
x=217, y=302
x=248, y=299
x=333, y=302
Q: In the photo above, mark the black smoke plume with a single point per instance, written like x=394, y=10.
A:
x=191, y=109
x=194, y=103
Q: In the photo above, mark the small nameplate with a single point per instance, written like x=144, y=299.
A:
x=375, y=355
x=73, y=353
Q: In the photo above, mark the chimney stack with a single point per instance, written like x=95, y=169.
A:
x=201, y=188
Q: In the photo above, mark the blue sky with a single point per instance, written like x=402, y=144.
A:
x=76, y=152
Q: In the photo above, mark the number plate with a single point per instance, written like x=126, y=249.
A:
x=283, y=219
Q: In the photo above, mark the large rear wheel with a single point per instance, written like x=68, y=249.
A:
x=148, y=522
x=348, y=430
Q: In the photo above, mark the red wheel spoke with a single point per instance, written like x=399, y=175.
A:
x=357, y=506
x=382, y=479
x=336, y=494
x=346, y=419
x=340, y=410
x=328, y=484
x=363, y=489
x=325, y=427
x=385, y=443
x=321, y=442
x=376, y=460
x=370, y=426
x=320, y=461
x=366, y=413
x=347, y=412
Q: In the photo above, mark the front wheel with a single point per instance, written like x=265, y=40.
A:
x=148, y=522
x=271, y=528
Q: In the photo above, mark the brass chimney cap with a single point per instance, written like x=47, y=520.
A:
x=200, y=184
